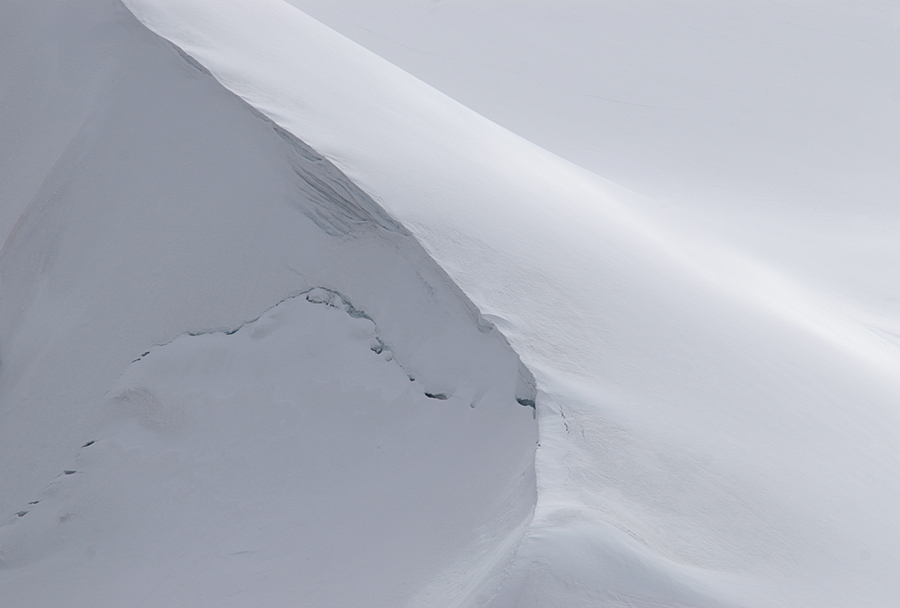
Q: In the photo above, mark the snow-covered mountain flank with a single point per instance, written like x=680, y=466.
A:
x=228, y=377
x=283, y=325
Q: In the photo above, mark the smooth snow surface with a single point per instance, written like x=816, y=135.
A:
x=769, y=125
x=233, y=374
x=228, y=377
x=716, y=428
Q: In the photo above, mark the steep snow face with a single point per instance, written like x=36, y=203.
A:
x=228, y=377
x=712, y=430
x=669, y=99
x=767, y=126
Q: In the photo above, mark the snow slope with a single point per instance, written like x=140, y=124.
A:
x=228, y=377
x=676, y=100
x=769, y=126
x=712, y=430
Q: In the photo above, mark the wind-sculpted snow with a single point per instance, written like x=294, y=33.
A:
x=332, y=201
x=177, y=426
x=713, y=430
x=289, y=447
x=216, y=354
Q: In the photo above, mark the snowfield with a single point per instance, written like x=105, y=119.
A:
x=281, y=324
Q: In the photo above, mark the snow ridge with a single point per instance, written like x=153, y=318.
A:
x=722, y=410
x=229, y=467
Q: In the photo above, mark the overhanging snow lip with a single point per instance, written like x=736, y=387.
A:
x=360, y=211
